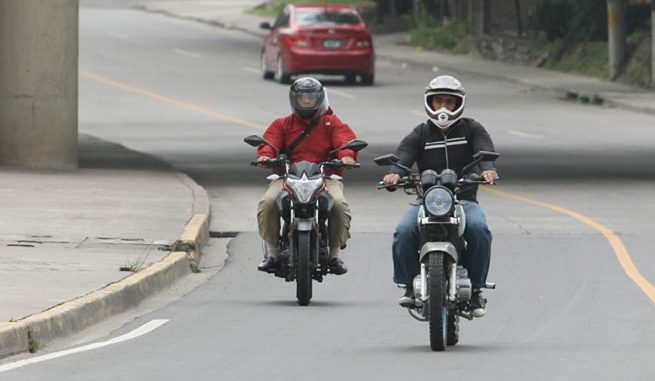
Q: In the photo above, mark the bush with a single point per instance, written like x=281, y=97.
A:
x=452, y=37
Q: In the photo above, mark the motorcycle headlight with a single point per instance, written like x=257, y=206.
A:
x=304, y=188
x=438, y=201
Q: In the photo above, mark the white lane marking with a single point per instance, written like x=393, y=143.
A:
x=186, y=53
x=525, y=135
x=144, y=329
x=342, y=94
x=252, y=70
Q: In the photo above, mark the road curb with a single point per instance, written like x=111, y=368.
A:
x=34, y=331
x=196, y=231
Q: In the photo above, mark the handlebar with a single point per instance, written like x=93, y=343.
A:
x=281, y=162
x=413, y=181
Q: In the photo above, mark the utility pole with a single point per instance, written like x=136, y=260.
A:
x=616, y=36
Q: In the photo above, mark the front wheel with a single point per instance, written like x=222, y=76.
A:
x=437, y=286
x=303, y=269
x=280, y=75
x=265, y=73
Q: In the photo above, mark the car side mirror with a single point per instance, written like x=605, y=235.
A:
x=266, y=25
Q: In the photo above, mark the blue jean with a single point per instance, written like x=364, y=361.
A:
x=406, y=240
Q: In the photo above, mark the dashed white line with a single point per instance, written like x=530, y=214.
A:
x=144, y=329
x=252, y=70
x=186, y=53
x=525, y=135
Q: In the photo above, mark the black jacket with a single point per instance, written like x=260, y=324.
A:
x=430, y=148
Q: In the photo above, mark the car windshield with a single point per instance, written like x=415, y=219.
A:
x=323, y=16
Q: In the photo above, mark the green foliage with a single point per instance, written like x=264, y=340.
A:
x=452, y=38
x=553, y=18
x=589, y=59
x=428, y=33
x=272, y=8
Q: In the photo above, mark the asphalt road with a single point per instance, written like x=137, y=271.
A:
x=565, y=308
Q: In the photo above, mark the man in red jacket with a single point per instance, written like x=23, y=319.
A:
x=309, y=103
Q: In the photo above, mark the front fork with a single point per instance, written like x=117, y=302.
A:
x=452, y=282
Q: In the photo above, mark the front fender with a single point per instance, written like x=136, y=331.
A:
x=445, y=247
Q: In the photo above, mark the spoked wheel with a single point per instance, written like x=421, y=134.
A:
x=437, y=301
x=303, y=269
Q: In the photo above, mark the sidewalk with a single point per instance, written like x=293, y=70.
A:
x=230, y=14
x=67, y=234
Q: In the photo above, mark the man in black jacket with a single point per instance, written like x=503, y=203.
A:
x=445, y=140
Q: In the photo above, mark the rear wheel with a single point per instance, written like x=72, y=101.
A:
x=368, y=79
x=280, y=75
x=266, y=74
x=350, y=79
x=437, y=301
x=303, y=269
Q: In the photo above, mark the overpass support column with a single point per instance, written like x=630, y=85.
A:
x=38, y=83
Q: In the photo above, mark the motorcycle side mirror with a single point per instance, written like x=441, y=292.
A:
x=389, y=159
x=486, y=156
x=256, y=141
x=481, y=156
x=355, y=145
x=265, y=25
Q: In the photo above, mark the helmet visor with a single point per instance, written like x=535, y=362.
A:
x=449, y=101
x=306, y=101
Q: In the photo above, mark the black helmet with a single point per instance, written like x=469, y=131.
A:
x=446, y=85
x=307, y=97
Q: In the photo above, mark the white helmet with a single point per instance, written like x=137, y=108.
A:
x=445, y=85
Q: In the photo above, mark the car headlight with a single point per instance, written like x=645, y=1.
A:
x=438, y=201
x=304, y=188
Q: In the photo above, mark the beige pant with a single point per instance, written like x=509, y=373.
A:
x=268, y=217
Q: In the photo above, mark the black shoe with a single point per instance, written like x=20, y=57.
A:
x=478, y=304
x=337, y=266
x=267, y=264
x=407, y=300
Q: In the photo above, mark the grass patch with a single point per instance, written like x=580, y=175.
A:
x=451, y=38
x=590, y=59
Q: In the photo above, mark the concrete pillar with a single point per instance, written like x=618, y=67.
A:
x=652, y=51
x=616, y=38
x=38, y=83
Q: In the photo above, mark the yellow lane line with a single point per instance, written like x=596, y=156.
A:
x=170, y=101
x=619, y=249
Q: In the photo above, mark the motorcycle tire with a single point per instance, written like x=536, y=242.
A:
x=437, y=287
x=453, y=329
x=303, y=269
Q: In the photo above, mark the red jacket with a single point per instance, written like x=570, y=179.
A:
x=329, y=133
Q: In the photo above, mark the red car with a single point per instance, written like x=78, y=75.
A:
x=318, y=39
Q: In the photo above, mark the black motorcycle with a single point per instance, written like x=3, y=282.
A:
x=304, y=207
x=442, y=290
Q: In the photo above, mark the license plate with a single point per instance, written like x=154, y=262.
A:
x=332, y=44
